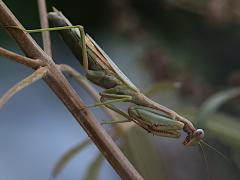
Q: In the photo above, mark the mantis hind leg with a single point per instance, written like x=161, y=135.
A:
x=82, y=34
x=119, y=111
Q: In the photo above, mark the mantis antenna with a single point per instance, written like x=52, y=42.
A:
x=205, y=160
x=217, y=151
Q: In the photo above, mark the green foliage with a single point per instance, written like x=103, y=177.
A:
x=60, y=165
x=141, y=151
x=212, y=104
x=223, y=127
x=94, y=168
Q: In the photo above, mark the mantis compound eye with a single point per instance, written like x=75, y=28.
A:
x=195, y=138
x=199, y=134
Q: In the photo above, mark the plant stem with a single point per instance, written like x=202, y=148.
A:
x=33, y=63
x=44, y=24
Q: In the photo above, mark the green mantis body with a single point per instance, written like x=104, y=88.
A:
x=151, y=116
x=100, y=69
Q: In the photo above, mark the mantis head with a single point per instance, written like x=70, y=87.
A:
x=195, y=138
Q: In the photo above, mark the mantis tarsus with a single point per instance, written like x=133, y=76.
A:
x=100, y=69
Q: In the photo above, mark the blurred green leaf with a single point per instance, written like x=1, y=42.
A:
x=68, y=156
x=160, y=86
x=94, y=169
x=140, y=150
x=214, y=102
x=236, y=157
x=225, y=128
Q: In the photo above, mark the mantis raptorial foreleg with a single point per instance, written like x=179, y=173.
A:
x=82, y=34
x=150, y=119
x=155, y=122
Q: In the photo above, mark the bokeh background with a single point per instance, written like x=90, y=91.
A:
x=183, y=53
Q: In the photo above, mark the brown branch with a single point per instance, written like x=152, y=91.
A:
x=69, y=97
x=44, y=24
x=33, y=63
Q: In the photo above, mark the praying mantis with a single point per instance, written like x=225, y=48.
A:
x=101, y=70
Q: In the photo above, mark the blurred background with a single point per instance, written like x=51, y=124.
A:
x=183, y=53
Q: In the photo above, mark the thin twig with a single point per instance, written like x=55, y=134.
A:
x=33, y=63
x=69, y=97
x=36, y=75
x=44, y=24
